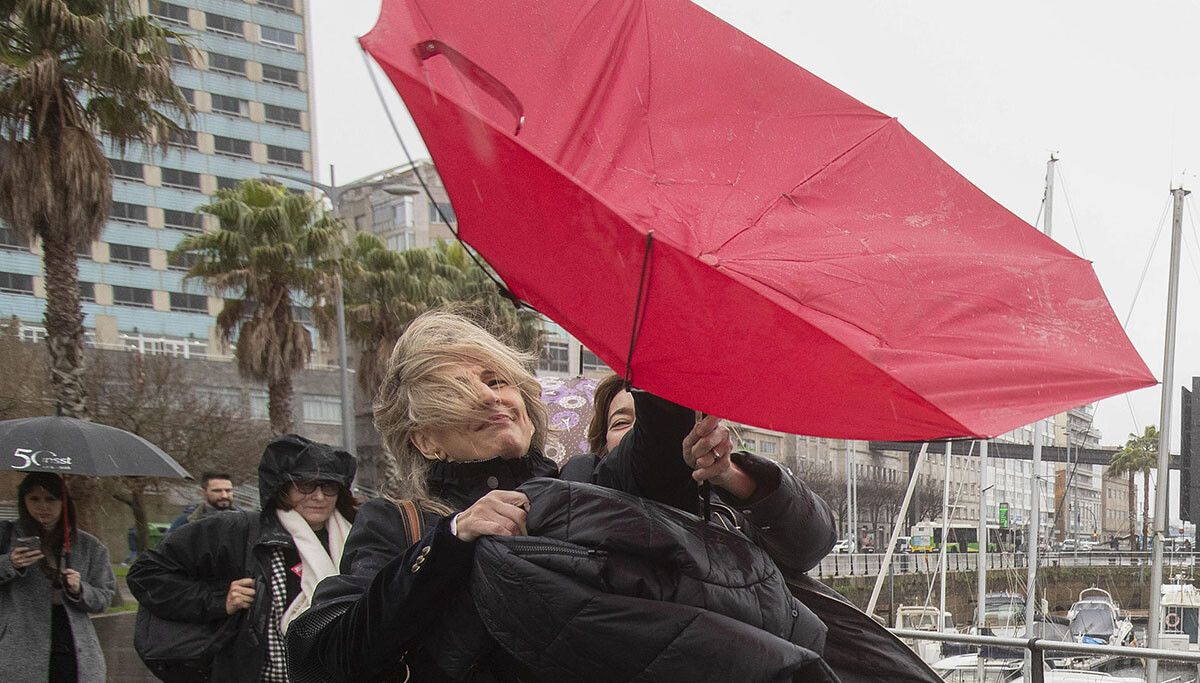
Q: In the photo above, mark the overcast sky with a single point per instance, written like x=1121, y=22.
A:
x=1112, y=88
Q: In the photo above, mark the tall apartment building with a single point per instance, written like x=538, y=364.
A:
x=246, y=75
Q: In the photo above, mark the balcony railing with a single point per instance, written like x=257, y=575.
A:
x=176, y=347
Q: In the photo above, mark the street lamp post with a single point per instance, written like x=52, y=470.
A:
x=335, y=195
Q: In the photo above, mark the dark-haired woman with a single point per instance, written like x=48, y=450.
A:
x=46, y=595
x=203, y=571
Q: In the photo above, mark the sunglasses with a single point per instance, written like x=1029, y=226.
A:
x=329, y=488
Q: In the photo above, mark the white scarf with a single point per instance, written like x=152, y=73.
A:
x=315, y=563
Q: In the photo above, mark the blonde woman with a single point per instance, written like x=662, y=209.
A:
x=461, y=417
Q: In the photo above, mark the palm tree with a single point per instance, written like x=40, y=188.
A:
x=386, y=290
x=1140, y=454
x=70, y=72
x=274, y=250
x=474, y=286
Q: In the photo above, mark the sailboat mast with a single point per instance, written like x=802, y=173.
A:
x=1162, y=489
x=1035, y=506
x=945, y=544
x=982, y=542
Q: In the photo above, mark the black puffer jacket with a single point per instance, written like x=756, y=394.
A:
x=612, y=587
x=364, y=620
x=187, y=576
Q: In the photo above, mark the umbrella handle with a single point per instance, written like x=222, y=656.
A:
x=477, y=75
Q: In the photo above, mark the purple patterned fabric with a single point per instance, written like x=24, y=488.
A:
x=569, y=403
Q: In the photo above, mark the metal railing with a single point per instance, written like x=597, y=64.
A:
x=1038, y=647
x=868, y=564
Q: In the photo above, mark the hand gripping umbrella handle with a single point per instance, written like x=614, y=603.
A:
x=481, y=78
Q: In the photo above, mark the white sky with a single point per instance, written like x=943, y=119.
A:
x=1113, y=88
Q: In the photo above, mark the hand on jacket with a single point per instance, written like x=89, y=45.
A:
x=706, y=450
x=240, y=596
x=24, y=557
x=73, y=581
x=499, y=513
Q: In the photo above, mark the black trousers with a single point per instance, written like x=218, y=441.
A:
x=63, y=667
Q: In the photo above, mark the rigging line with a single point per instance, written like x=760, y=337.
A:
x=1146, y=267
x=500, y=286
x=1195, y=236
x=1071, y=211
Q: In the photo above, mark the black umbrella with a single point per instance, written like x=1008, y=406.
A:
x=67, y=446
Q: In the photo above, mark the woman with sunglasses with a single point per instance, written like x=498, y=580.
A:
x=255, y=571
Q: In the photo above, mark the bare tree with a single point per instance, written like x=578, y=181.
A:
x=25, y=391
x=161, y=399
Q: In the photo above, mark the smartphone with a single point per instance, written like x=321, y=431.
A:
x=29, y=542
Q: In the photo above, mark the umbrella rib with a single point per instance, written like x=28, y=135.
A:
x=774, y=202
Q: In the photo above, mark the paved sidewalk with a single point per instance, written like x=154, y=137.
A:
x=116, y=639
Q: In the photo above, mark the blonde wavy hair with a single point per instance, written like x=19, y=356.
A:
x=422, y=388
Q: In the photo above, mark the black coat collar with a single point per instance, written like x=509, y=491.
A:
x=460, y=484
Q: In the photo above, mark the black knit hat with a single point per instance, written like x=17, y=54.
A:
x=292, y=457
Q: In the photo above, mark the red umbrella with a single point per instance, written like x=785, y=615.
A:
x=814, y=268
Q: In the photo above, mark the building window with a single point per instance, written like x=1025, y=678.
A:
x=232, y=147
x=591, y=362
x=84, y=250
x=360, y=222
x=126, y=170
x=324, y=410
x=128, y=254
x=285, y=156
x=284, y=116
x=87, y=291
x=225, y=183
x=226, y=64
x=188, y=94
x=15, y=283
x=233, y=106
x=768, y=447
x=402, y=241
x=285, y=5
x=127, y=213
x=9, y=239
x=190, y=303
x=403, y=212
x=259, y=405
x=182, y=260
x=174, y=177
x=133, y=296
x=222, y=24
x=554, y=357
x=182, y=138
x=278, y=37
x=169, y=12
x=179, y=54
x=280, y=75
x=182, y=220
x=439, y=210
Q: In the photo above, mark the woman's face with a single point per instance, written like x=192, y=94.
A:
x=620, y=419
x=316, y=508
x=43, y=506
x=504, y=429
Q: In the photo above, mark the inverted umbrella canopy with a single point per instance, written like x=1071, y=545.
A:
x=814, y=268
x=65, y=445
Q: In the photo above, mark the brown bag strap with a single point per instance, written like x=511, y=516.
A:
x=413, y=527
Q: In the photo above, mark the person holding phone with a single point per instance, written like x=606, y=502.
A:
x=46, y=595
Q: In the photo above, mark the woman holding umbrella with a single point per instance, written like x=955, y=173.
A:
x=462, y=421
x=46, y=594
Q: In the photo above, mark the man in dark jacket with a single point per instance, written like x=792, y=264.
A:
x=223, y=568
x=217, y=488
